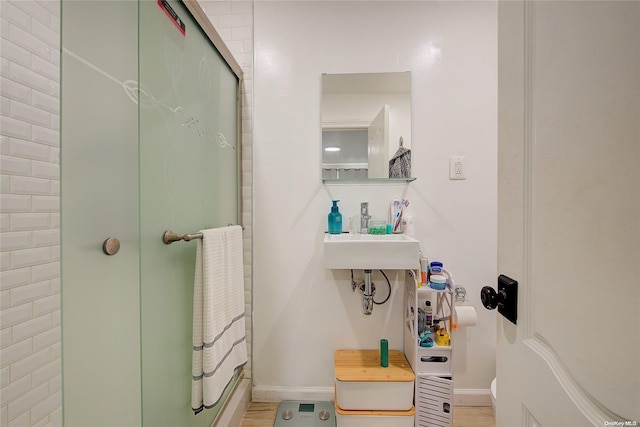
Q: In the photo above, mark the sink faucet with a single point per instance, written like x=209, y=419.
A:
x=364, y=217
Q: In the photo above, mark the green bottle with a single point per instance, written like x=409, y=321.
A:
x=384, y=353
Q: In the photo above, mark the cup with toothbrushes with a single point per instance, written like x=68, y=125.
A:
x=397, y=209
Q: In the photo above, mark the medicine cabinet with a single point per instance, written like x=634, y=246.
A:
x=366, y=121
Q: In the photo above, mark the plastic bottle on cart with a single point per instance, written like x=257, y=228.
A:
x=422, y=321
x=424, y=267
x=429, y=315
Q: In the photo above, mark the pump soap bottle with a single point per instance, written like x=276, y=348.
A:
x=335, y=219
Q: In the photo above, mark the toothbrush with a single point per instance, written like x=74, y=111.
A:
x=396, y=214
x=399, y=210
x=398, y=220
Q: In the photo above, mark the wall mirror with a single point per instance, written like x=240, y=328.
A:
x=366, y=126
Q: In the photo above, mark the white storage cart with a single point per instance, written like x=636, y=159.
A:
x=433, y=366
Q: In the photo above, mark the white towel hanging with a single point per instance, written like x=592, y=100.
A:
x=219, y=337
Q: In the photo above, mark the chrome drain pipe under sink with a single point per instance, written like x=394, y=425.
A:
x=367, y=290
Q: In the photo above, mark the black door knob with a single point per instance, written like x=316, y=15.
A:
x=505, y=300
x=489, y=298
x=492, y=299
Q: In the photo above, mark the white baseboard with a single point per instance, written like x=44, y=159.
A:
x=471, y=397
x=278, y=394
x=461, y=397
x=235, y=406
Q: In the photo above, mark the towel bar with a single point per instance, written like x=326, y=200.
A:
x=169, y=236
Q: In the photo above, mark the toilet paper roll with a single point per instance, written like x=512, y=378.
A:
x=466, y=315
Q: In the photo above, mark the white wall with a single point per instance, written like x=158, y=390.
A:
x=302, y=312
x=30, y=281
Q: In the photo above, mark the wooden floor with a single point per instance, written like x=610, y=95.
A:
x=263, y=415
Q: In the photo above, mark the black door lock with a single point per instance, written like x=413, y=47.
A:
x=506, y=299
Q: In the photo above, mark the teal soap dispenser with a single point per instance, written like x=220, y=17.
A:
x=335, y=219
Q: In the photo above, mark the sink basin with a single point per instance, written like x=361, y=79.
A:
x=371, y=251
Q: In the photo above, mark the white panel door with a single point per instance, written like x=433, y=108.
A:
x=569, y=212
x=379, y=144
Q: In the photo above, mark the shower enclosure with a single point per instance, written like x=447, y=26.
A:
x=149, y=142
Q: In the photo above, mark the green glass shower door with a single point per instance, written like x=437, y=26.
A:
x=99, y=199
x=188, y=182
x=149, y=143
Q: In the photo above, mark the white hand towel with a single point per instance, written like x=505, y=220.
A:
x=219, y=338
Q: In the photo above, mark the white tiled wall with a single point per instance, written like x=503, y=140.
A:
x=234, y=22
x=30, y=188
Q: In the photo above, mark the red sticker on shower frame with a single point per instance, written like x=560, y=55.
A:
x=168, y=10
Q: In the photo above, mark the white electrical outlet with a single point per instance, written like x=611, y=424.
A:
x=457, y=167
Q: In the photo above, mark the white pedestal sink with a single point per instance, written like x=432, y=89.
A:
x=371, y=251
